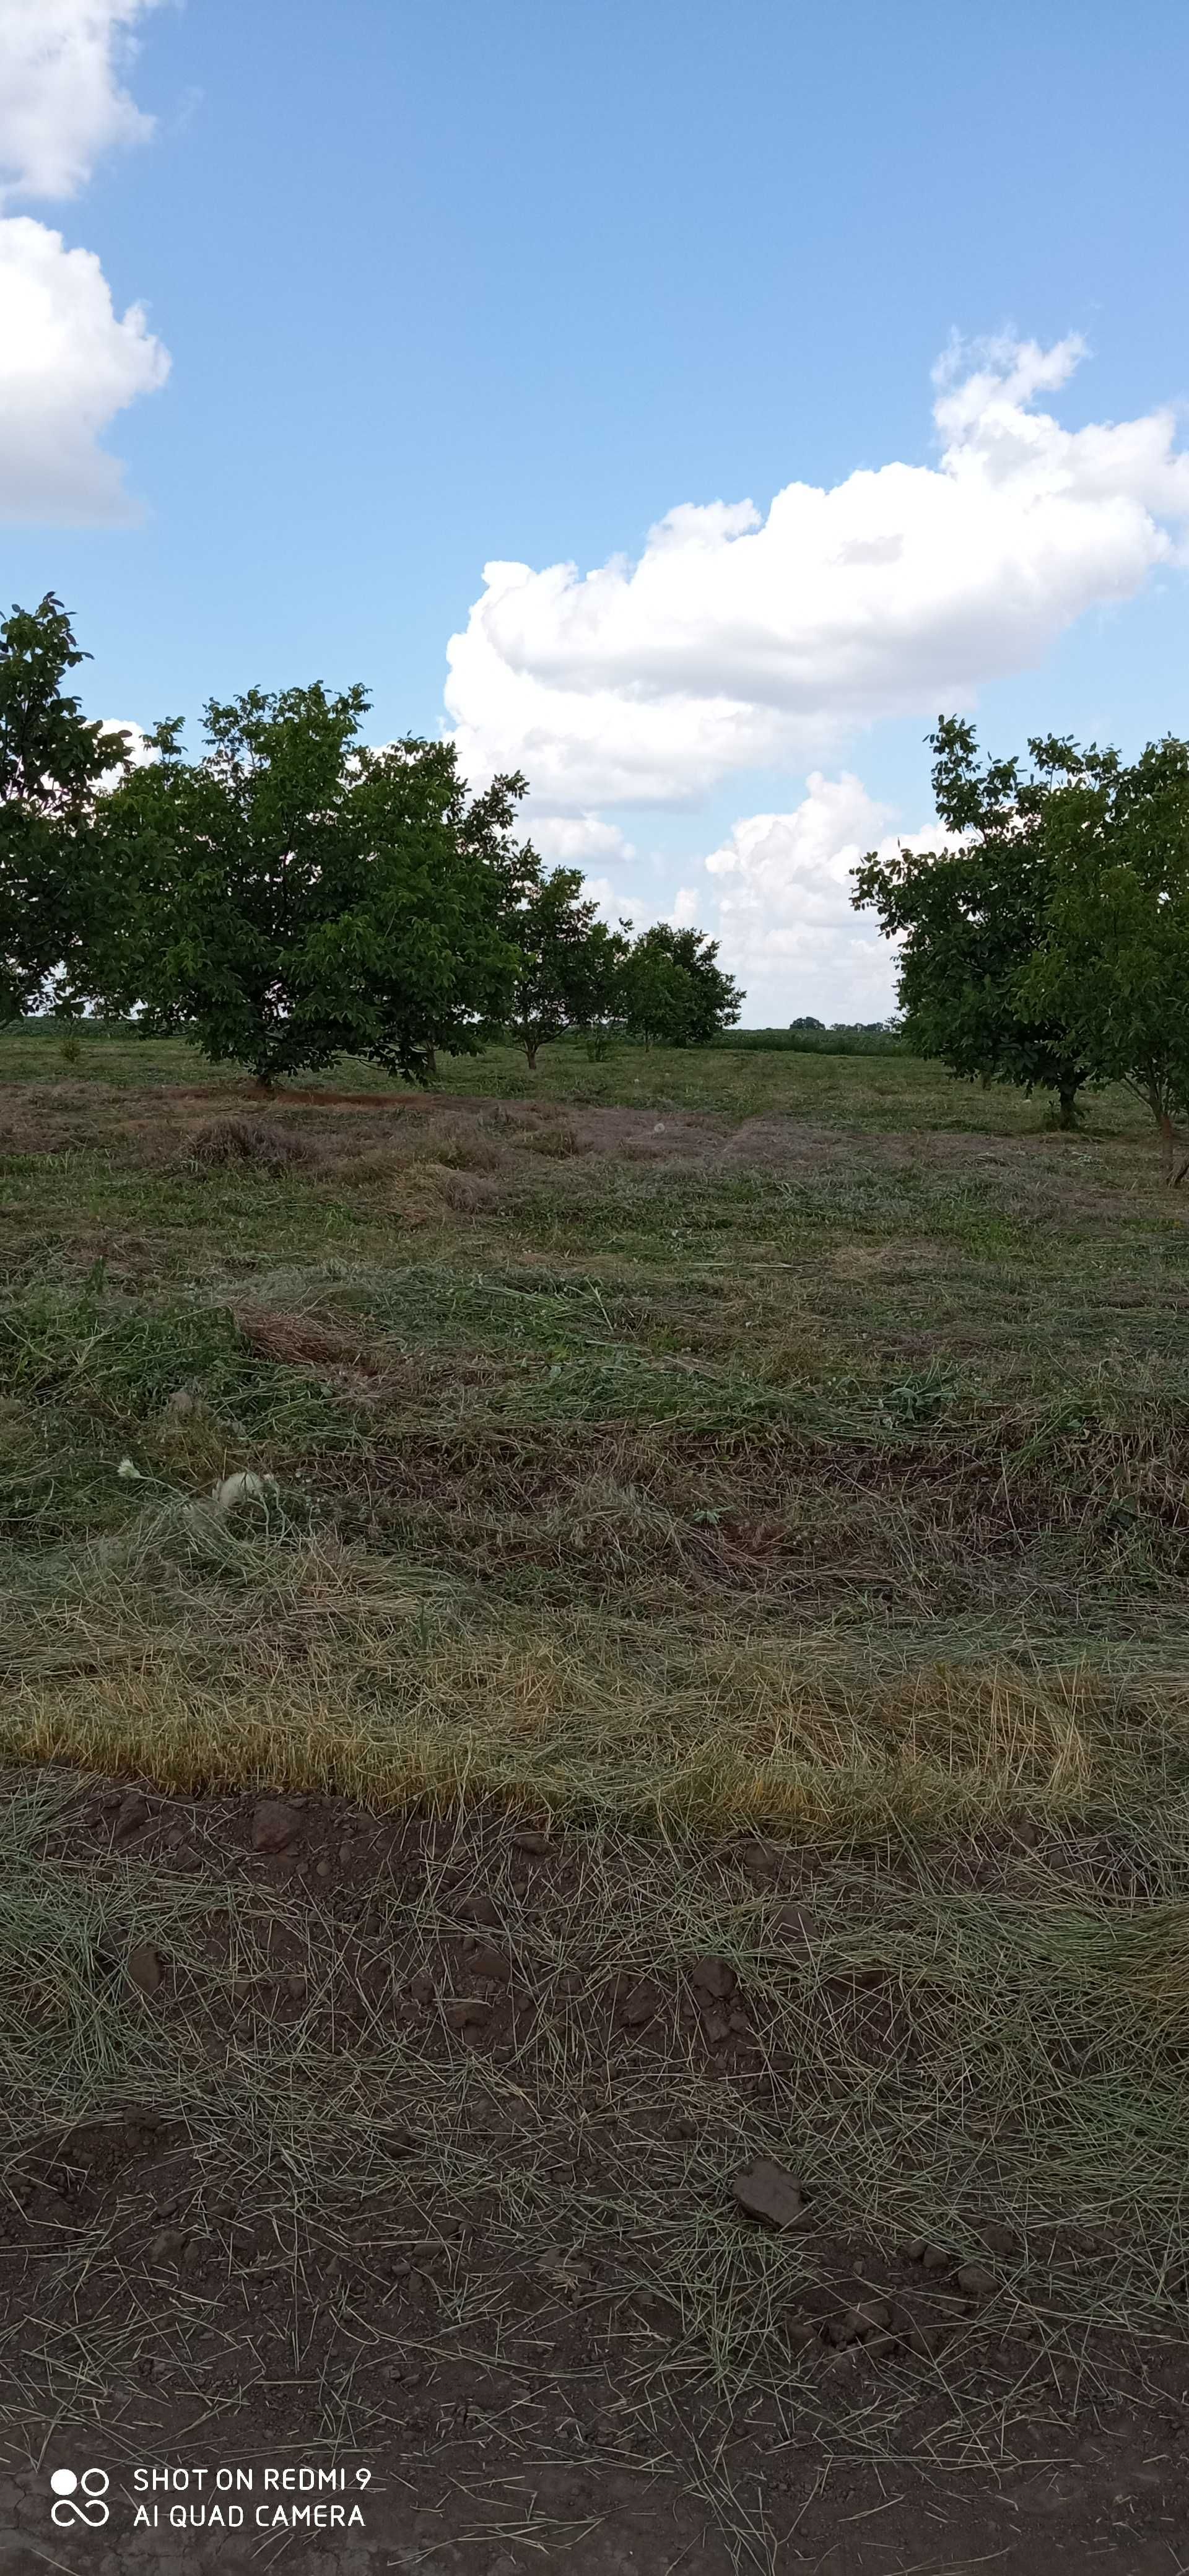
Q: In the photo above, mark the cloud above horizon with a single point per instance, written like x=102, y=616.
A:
x=739, y=640
x=779, y=901
x=68, y=362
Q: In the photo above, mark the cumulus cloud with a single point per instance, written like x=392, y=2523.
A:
x=739, y=641
x=570, y=840
x=68, y=364
x=61, y=99
x=137, y=748
x=779, y=900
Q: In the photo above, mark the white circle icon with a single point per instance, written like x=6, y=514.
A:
x=63, y=2482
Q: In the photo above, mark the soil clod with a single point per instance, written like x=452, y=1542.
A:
x=275, y=1825
x=770, y=2194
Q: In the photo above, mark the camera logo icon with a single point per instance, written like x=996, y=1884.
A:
x=79, y=2499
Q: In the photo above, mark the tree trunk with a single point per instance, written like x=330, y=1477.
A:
x=1068, y=1096
x=530, y=1049
x=1175, y=1163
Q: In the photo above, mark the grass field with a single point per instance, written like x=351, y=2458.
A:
x=767, y=1473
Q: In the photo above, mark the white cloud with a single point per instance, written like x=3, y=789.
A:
x=739, y=641
x=569, y=840
x=779, y=902
x=616, y=906
x=61, y=101
x=68, y=364
x=136, y=745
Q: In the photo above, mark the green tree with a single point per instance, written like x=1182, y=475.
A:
x=51, y=764
x=675, y=993
x=971, y=919
x=293, y=896
x=1113, y=966
x=569, y=960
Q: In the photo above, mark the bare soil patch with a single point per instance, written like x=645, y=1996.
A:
x=463, y=2308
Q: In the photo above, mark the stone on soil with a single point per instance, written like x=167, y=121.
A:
x=144, y=1968
x=767, y=2192
x=713, y=1977
x=133, y=1812
x=274, y=1825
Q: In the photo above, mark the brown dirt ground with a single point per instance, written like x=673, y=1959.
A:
x=501, y=2447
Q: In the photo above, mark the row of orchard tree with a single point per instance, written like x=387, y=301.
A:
x=293, y=895
x=1048, y=943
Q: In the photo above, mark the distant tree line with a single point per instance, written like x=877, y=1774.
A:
x=293, y=895
x=1049, y=944
x=807, y=1036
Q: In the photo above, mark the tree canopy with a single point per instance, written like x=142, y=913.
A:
x=52, y=761
x=1112, y=965
x=569, y=962
x=674, y=991
x=292, y=896
x=971, y=916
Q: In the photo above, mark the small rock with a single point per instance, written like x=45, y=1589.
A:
x=144, y=1968
x=793, y=1922
x=716, y=2027
x=640, y=2003
x=194, y=2252
x=242, y=1487
x=935, y=2260
x=527, y=1839
x=975, y=2281
x=879, y=2345
x=296, y=1986
x=760, y=1860
x=274, y=1825
x=767, y=2192
x=422, y=1987
x=166, y=2246
x=484, y=1961
x=322, y=1869
x=132, y=1813
x=916, y=2252
x=1000, y=2239
x=714, y=1977
x=872, y=2317
x=739, y=2023
x=472, y=2012
x=477, y=1909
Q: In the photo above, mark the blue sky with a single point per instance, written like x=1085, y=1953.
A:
x=513, y=284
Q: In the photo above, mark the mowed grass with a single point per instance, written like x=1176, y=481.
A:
x=695, y=1466
x=678, y=1447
